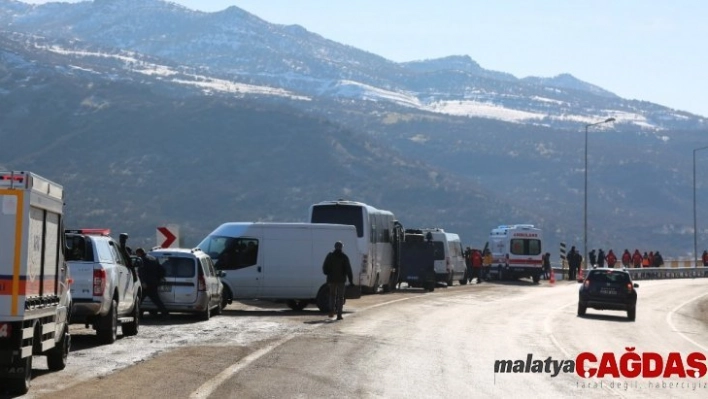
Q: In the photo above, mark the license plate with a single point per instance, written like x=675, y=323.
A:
x=608, y=291
x=165, y=288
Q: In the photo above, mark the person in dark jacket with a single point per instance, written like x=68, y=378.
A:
x=151, y=274
x=593, y=258
x=600, y=258
x=337, y=269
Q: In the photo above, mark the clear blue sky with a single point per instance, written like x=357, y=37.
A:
x=639, y=49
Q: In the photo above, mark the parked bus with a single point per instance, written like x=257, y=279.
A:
x=378, y=236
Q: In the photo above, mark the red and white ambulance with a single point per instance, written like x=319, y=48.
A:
x=516, y=252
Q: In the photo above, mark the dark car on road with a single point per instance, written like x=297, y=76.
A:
x=608, y=289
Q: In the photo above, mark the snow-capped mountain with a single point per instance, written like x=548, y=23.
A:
x=237, y=47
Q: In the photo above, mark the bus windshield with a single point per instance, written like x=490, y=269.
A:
x=339, y=214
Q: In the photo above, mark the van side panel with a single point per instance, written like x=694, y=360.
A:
x=288, y=265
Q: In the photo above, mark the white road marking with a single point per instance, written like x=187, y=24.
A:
x=673, y=327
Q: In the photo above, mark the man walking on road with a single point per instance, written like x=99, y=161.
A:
x=337, y=269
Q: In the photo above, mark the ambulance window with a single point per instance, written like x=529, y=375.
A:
x=525, y=247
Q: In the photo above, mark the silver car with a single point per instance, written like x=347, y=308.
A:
x=191, y=284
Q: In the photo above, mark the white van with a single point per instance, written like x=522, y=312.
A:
x=190, y=285
x=279, y=261
x=449, y=256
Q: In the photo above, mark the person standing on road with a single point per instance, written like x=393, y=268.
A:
x=637, y=259
x=601, y=258
x=573, y=264
x=593, y=258
x=705, y=258
x=611, y=259
x=337, y=269
x=658, y=259
x=626, y=258
x=476, y=265
x=486, y=263
x=546, y=265
x=151, y=274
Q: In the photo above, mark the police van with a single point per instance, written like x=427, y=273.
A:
x=449, y=256
x=516, y=252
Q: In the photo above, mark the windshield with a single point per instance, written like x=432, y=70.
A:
x=339, y=214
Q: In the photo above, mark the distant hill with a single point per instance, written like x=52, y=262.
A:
x=151, y=113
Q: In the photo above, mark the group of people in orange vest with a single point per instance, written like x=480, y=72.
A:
x=478, y=263
x=636, y=259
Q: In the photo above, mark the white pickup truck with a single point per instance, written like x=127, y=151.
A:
x=106, y=290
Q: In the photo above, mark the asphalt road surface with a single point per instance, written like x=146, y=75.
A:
x=407, y=344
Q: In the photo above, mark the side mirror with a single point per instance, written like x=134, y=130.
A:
x=221, y=273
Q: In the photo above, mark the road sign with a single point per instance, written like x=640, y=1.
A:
x=168, y=236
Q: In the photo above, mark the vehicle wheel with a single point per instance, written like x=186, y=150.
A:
x=205, y=315
x=323, y=299
x=108, y=326
x=632, y=314
x=226, y=297
x=218, y=308
x=56, y=357
x=21, y=386
x=581, y=309
x=430, y=287
x=130, y=329
x=297, y=304
x=536, y=278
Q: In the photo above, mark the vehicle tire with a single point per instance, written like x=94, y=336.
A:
x=632, y=314
x=297, y=304
x=226, y=297
x=323, y=299
x=20, y=386
x=56, y=357
x=218, y=308
x=536, y=278
x=581, y=309
x=206, y=314
x=131, y=328
x=430, y=287
x=108, y=325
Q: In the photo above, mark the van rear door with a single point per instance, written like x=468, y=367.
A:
x=184, y=279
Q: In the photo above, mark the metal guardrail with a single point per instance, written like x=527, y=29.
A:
x=652, y=273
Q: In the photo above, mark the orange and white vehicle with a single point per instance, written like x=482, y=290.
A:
x=516, y=252
x=34, y=280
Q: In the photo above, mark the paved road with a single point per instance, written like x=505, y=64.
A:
x=402, y=345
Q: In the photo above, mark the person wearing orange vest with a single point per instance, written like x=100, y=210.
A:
x=611, y=259
x=486, y=263
x=645, y=260
x=477, y=265
x=626, y=258
x=636, y=259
